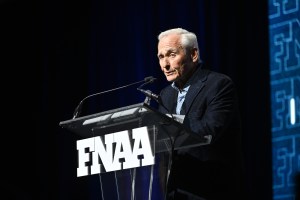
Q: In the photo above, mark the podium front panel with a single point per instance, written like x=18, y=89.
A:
x=117, y=180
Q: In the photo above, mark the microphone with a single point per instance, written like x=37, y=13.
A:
x=151, y=95
x=148, y=80
x=157, y=98
x=77, y=110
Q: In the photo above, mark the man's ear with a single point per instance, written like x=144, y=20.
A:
x=195, y=54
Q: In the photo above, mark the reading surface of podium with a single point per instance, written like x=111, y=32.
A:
x=166, y=133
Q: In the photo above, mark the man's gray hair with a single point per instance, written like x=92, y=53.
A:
x=188, y=39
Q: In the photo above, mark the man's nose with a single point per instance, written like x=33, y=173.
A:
x=166, y=64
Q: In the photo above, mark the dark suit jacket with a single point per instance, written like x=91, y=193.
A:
x=210, y=108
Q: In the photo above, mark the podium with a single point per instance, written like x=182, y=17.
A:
x=165, y=133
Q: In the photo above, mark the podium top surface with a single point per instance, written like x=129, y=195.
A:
x=130, y=117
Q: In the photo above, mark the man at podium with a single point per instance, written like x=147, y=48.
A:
x=209, y=102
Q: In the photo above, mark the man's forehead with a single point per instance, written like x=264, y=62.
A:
x=169, y=40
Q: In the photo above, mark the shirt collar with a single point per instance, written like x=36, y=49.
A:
x=188, y=83
x=185, y=87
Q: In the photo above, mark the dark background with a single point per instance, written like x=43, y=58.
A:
x=56, y=52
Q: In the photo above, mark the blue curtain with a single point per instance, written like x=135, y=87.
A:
x=59, y=51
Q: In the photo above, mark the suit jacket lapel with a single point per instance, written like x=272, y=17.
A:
x=197, y=84
x=171, y=93
x=173, y=104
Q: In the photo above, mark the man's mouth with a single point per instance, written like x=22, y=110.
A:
x=170, y=73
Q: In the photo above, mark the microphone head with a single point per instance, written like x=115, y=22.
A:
x=150, y=94
x=149, y=79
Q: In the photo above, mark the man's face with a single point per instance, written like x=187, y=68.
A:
x=173, y=60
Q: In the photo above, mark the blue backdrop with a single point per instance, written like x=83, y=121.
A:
x=284, y=30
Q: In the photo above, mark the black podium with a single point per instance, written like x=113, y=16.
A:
x=164, y=132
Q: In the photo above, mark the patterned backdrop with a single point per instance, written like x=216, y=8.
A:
x=284, y=30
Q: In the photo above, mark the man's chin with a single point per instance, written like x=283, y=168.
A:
x=171, y=78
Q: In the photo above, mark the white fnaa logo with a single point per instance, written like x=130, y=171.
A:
x=124, y=150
